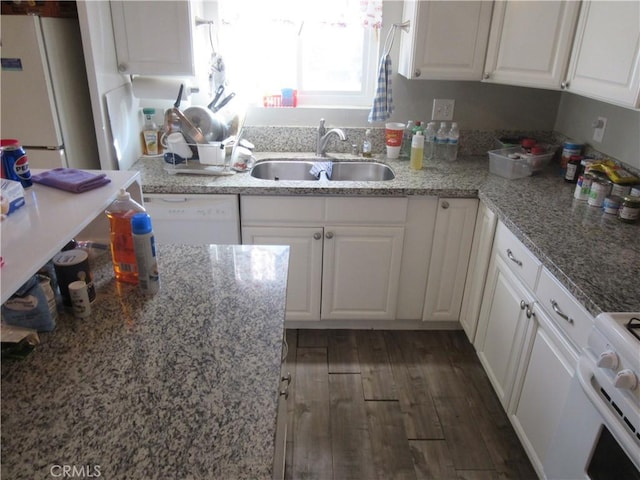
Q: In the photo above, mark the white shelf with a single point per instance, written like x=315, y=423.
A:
x=31, y=236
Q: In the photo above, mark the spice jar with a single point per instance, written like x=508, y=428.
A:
x=573, y=169
x=629, y=211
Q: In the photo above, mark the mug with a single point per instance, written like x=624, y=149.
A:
x=176, y=143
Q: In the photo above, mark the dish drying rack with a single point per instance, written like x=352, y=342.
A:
x=215, y=165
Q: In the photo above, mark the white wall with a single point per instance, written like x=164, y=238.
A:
x=622, y=135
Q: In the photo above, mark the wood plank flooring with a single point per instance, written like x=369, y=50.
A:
x=370, y=404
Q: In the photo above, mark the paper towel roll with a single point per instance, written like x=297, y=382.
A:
x=160, y=88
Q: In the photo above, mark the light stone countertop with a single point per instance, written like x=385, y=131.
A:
x=182, y=384
x=595, y=256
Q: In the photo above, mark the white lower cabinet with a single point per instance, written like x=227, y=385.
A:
x=502, y=327
x=477, y=273
x=346, y=253
x=360, y=272
x=452, y=239
x=529, y=333
x=305, y=265
x=540, y=398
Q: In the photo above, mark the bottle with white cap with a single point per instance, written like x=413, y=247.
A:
x=452, y=142
x=441, y=142
x=417, y=151
x=145, y=248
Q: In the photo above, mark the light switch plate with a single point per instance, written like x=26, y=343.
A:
x=443, y=109
x=598, y=131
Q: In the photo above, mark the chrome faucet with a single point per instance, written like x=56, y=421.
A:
x=323, y=138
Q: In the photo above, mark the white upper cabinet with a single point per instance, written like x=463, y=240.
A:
x=605, y=62
x=445, y=40
x=530, y=43
x=154, y=38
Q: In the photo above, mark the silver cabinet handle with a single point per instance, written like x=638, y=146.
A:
x=530, y=313
x=123, y=67
x=287, y=378
x=523, y=305
x=512, y=258
x=564, y=85
x=486, y=76
x=317, y=236
x=560, y=313
x=417, y=73
x=329, y=235
x=444, y=204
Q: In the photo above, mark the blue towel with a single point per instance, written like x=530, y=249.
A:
x=383, y=101
x=319, y=167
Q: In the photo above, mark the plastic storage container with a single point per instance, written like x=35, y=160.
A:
x=512, y=168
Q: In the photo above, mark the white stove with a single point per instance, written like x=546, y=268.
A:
x=614, y=345
x=598, y=437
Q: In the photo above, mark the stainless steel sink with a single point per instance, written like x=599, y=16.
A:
x=361, y=172
x=283, y=170
x=341, y=171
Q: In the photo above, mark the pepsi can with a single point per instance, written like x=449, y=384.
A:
x=16, y=164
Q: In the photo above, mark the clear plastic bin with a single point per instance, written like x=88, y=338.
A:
x=500, y=164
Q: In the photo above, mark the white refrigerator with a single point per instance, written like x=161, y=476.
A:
x=44, y=95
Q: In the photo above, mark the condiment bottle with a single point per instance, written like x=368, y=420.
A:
x=573, y=169
x=366, y=144
x=122, y=251
x=417, y=151
x=149, y=133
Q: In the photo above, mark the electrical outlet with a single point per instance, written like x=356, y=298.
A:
x=599, y=126
x=442, y=109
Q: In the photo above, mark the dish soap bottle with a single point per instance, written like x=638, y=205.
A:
x=122, y=252
x=417, y=151
x=149, y=133
x=366, y=144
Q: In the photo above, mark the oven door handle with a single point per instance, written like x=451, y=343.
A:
x=585, y=370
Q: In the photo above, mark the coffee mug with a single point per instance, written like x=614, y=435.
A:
x=176, y=143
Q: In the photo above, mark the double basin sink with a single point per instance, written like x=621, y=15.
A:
x=341, y=171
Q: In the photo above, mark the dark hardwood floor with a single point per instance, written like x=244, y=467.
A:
x=368, y=404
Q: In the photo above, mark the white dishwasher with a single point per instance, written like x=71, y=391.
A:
x=194, y=219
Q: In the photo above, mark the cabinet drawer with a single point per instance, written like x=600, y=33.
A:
x=264, y=209
x=517, y=256
x=564, y=309
x=366, y=210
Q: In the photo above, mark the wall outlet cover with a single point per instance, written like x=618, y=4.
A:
x=599, y=127
x=443, y=109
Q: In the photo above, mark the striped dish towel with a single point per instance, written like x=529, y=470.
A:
x=383, y=101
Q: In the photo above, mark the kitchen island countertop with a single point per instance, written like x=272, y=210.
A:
x=594, y=255
x=182, y=384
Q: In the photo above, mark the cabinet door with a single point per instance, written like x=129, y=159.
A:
x=153, y=38
x=502, y=327
x=605, y=62
x=445, y=40
x=547, y=377
x=305, y=265
x=361, y=269
x=530, y=43
x=453, y=235
x=478, y=266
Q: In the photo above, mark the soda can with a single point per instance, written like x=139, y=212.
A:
x=15, y=164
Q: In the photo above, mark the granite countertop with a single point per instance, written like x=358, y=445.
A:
x=595, y=256
x=182, y=384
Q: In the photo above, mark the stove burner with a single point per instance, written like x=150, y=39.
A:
x=633, y=325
